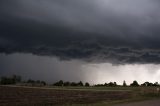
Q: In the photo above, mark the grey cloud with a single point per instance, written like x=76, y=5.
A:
x=45, y=68
x=50, y=69
x=123, y=31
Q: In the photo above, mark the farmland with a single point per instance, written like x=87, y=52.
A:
x=66, y=96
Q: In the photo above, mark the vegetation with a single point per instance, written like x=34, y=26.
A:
x=70, y=93
x=74, y=96
x=124, y=83
x=10, y=80
x=150, y=84
x=87, y=84
x=135, y=84
x=15, y=79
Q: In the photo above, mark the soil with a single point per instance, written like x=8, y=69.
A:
x=19, y=96
x=143, y=103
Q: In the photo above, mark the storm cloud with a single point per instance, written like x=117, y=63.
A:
x=51, y=69
x=119, y=32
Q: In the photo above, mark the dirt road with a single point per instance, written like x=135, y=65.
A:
x=144, y=103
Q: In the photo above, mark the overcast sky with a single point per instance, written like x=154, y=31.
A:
x=63, y=39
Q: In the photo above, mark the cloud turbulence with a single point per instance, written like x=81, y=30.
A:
x=119, y=32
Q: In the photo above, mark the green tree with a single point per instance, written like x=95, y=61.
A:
x=66, y=84
x=80, y=83
x=112, y=84
x=16, y=78
x=156, y=84
x=74, y=84
x=43, y=82
x=87, y=84
x=30, y=81
x=59, y=83
x=10, y=80
x=6, y=81
x=115, y=84
x=124, y=83
x=105, y=84
x=135, y=83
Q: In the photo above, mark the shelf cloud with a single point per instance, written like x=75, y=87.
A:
x=118, y=32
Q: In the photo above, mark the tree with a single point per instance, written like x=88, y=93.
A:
x=156, y=84
x=149, y=84
x=105, y=84
x=43, y=82
x=38, y=81
x=115, y=84
x=145, y=84
x=135, y=83
x=111, y=84
x=87, y=84
x=31, y=81
x=6, y=81
x=66, y=84
x=124, y=83
x=98, y=85
x=74, y=84
x=59, y=83
x=10, y=80
x=16, y=78
x=80, y=83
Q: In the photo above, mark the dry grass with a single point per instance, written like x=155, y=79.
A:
x=75, y=96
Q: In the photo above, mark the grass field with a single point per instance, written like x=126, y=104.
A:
x=74, y=96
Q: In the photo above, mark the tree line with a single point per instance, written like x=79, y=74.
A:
x=80, y=83
x=15, y=79
x=133, y=84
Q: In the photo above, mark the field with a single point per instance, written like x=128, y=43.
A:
x=75, y=96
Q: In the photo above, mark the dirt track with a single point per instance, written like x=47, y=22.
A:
x=144, y=103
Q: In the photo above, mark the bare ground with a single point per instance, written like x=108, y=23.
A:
x=20, y=96
x=143, y=103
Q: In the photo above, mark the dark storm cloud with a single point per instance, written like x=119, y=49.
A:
x=123, y=31
x=45, y=68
